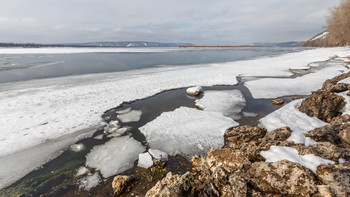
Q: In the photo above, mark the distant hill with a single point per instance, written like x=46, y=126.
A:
x=320, y=40
x=279, y=44
x=97, y=44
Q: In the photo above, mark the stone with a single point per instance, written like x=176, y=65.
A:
x=324, y=191
x=344, y=133
x=277, y=102
x=324, y=105
x=280, y=134
x=173, y=186
x=330, y=151
x=242, y=134
x=122, y=184
x=238, y=185
x=282, y=177
x=332, y=85
x=337, y=177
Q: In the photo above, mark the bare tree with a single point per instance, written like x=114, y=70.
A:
x=339, y=25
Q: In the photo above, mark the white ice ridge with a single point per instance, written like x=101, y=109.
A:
x=69, y=50
x=115, y=156
x=279, y=153
x=304, y=85
x=298, y=122
x=35, y=112
x=227, y=102
x=187, y=131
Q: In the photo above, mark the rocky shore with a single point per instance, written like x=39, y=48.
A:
x=242, y=167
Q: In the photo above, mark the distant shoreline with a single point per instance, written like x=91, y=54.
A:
x=225, y=46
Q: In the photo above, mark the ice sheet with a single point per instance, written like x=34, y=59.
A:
x=277, y=87
x=229, y=103
x=187, y=131
x=132, y=116
x=38, y=111
x=115, y=156
x=298, y=122
x=279, y=153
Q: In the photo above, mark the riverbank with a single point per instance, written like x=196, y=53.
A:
x=261, y=161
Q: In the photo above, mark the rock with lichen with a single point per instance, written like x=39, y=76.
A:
x=122, y=184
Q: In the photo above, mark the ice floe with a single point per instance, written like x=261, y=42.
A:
x=279, y=153
x=298, y=122
x=132, y=116
x=187, y=131
x=115, y=156
x=82, y=170
x=227, y=102
x=112, y=126
x=77, y=147
x=145, y=160
x=38, y=111
x=196, y=90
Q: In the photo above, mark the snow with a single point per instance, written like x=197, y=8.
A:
x=157, y=154
x=250, y=114
x=145, y=160
x=229, y=102
x=132, y=116
x=194, y=90
x=51, y=110
x=321, y=36
x=279, y=153
x=346, y=109
x=115, y=156
x=82, y=170
x=300, y=68
x=77, y=147
x=187, y=131
x=90, y=181
x=304, y=85
x=112, y=126
x=298, y=122
x=346, y=80
x=341, y=161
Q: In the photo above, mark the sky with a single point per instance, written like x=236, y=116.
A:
x=202, y=22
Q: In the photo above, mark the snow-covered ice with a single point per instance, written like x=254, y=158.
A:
x=38, y=111
x=346, y=80
x=132, y=116
x=298, y=122
x=115, y=156
x=227, y=102
x=304, y=85
x=82, y=170
x=187, y=131
x=279, y=153
x=112, y=126
x=90, y=181
x=145, y=160
x=157, y=154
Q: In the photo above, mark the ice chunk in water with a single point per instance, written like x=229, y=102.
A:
x=187, y=131
x=90, y=181
x=157, y=154
x=145, y=160
x=132, y=116
x=196, y=90
x=115, y=156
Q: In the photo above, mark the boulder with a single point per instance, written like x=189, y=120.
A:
x=337, y=177
x=240, y=135
x=173, y=186
x=344, y=133
x=332, y=85
x=282, y=177
x=324, y=105
x=122, y=184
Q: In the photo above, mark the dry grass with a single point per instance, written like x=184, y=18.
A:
x=339, y=25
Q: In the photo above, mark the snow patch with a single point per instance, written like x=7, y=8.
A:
x=229, y=103
x=90, y=181
x=157, y=154
x=298, y=122
x=77, y=147
x=321, y=36
x=187, y=131
x=279, y=153
x=346, y=80
x=115, y=156
x=346, y=109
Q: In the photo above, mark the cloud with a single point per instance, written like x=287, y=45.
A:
x=27, y=21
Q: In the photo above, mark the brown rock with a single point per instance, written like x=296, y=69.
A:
x=242, y=134
x=283, y=177
x=277, y=102
x=330, y=151
x=122, y=184
x=327, y=133
x=280, y=134
x=323, y=191
x=337, y=177
x=238, y=185
x=324, y=105
x=173, y=186
x=344, y=133
x=332, y=85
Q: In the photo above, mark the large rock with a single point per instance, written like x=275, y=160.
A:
x=122, y=184
x=324, y=105
x=173, y=186
x=283, y=177
x=242, y=134
x=344, y=134
x=337, y=177
x=332, y=85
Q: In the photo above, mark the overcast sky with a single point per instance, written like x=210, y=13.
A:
x=195, y=21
